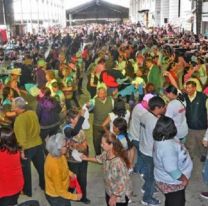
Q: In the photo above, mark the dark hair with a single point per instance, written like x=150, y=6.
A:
x=156, y=102
x=119, y=107
x=6, y=91
x=150, y=88
x=47, y=92
x=55, y=85
x=118, y=149
x=192, y=83
x=164, y=129
x=171, y=89
x=72, y=113
x=129, y=69
x=121, y=124
x=101, y=61
x=8, y=141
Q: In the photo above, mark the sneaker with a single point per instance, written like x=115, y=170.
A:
x=151, y=202
x=130, y=171
x=204, y=195
x=141, y=176
x=85, y=201
x=130, y=201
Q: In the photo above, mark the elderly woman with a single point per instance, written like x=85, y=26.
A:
x=57, y=173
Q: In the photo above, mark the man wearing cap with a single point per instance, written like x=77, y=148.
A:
x=27, y=131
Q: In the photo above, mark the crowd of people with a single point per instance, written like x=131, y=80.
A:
x=148, y=95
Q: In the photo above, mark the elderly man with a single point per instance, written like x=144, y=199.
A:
x=27, y=131
x=102, y=105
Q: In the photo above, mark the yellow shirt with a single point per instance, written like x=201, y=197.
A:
x=57, y=177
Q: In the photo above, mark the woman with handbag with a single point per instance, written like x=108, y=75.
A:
x=57, y=174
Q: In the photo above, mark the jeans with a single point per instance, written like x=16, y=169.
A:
x=139, y=166
x=36, y=155
x=175, y=198
x=57, y=201
x=149, y=184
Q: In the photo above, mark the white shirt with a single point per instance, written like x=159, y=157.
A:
x=177, y=111
x=134, y=128
x=114, y=116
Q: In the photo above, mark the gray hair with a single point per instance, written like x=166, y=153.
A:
x=54, y=144
x=19, y=103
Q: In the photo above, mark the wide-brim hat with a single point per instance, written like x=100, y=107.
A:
x=16, y=71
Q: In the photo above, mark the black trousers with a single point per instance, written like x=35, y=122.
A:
x=98, y=133
x=36, y=155
x=80, y=169
x=107, y=198
x=175, y=198
x=57, y=201
x=10, y=200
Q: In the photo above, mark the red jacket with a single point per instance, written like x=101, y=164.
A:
x=11, y=176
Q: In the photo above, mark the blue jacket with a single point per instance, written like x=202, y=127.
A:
x=171, y=160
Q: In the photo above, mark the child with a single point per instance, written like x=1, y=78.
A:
x=115, y=166
x=120, y=130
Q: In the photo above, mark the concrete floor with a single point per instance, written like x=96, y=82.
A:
x=96, y=188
